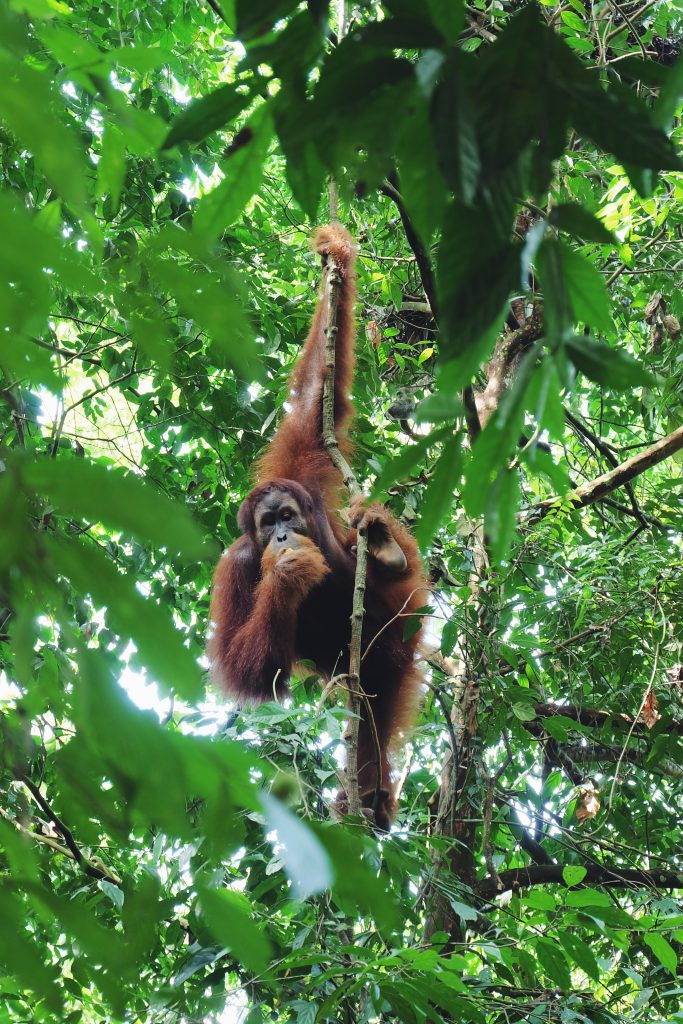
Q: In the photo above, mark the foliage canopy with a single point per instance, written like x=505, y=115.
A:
x=513, y=173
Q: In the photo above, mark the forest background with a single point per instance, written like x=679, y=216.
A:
x=513, y=173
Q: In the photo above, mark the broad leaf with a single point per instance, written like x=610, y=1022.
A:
x=206, y=114
x=615, y=368
x=106, y=494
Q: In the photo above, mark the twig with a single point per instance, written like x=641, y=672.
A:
x=637, y=14
x=486, y=833
x=447, y=715
x=634, y=31
x=593, y=717
x=424, y=264
x=332, y=187
x=422, y=257
x=471, y=414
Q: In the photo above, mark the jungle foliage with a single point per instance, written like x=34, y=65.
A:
x=513, y=173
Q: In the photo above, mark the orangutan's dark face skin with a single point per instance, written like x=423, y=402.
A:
x=279, y=521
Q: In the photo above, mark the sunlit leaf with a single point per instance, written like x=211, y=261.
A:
x=305, y=859
x=229, y=917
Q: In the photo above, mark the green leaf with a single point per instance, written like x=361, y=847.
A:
x=28, y=108
x=576, y=220
x=423, y=188
x=594, y=898
x=212, y=297
x=243, y=171
x=206, y=114
x=663, y=950
x=463, y=910
x=22, y=956
x=105, y=494
x=573, y=290
x=501, y=512
x=573, y=21
x=573, y=874
x=114, y=892
x=438, y=496
x=304, y=857
x=580, y=953
x=476, y=271
x=524, y=712
x=554, y=964
x=453, y=126
x=255, y=17
x=139, y=58
x=616, y=119
x=539, y=900
x=111, y=169
x=400, y=467
x=669, y=97
x=586, y=290
x=499, y=437
x=440, y=406
x=448, y=16
x=558, y=312
x=160, y=645
x=615, y=368
x=449, y=636
x=228, y=915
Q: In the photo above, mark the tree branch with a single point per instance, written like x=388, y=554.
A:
x=422, y=257
x=590, y=717
x=606, y=451
x=596, y=874
x=72, y=849
x=358, y=607
x=596, y=490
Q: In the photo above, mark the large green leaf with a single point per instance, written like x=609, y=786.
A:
x=615, y=368
x=576, y=220
x=476, y=271
x=229, y=916
x=574, y=290
x=440, y=490
x=453, y=126
x=21, y=955
x=663, y=950
x=243, y=170
x=26, y=98
x=160, y=645
x=305, y=859
x=553, y=962
x=400, y=467
x=206, y=114
x=501, y=512
x=106, y=494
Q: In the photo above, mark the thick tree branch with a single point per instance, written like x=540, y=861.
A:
x=596, y=490
x=589, y=716
x=606, y=451
x=596, y=874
